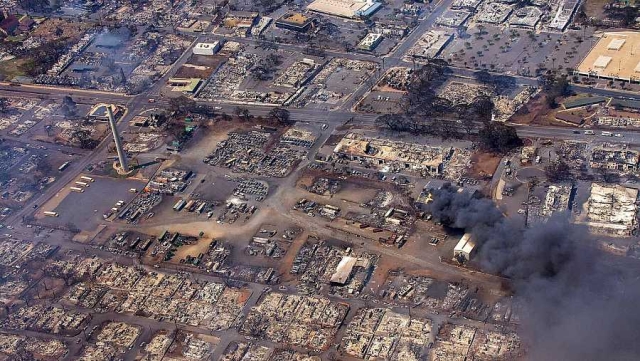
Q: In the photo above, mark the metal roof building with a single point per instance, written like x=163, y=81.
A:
x=465, y=247
x=343, y=271
x=352, y=9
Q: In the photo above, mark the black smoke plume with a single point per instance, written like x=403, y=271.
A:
x=579, y=304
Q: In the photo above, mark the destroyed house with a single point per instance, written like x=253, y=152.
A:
x=622, y=160
x=240, y=19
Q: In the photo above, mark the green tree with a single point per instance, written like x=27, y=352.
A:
x=499, y=138
x=4, y=104
x=558, y=171
x=281, y=116
x=182, y=105
x=242, y=113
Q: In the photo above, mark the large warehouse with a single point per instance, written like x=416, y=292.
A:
x=615, y=56
x=353, y=9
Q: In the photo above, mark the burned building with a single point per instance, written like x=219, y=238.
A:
x=612, y=209
x=616, y=159
x=295, y=22
x=385, y=153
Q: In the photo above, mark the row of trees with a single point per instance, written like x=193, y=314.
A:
x=182, y=106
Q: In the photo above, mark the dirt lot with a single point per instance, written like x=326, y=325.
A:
x=595, y=8
x=539, y=114
x=483, y=164
x=70, y=29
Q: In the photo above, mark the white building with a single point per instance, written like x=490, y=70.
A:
x=343, y=271
x=353, y=9
x=206, y=48
x=465, y=248
x=370, y=42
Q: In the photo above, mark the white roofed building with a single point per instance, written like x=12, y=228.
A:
x=343, y=271
x=464, y=250
x=206, y=48
x=352, y=9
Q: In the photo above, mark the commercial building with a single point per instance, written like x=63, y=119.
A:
x=343, y=271
x=370, y=42
x=453, y=19
x=240, y=19
x=206, y=48
x=493, y=13
x=556, y=199
x=612, y=209
x=615, y=56
x=429, y=46
x=352, y=9
x=526, y=17
x=234, y=18
x=465, y=248
x=465, y=4
x=394, y=155
x=615, y=158
x=295, y=22
x=564, y=12
x=184, y=85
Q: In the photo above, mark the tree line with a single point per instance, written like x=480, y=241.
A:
x=426, y=113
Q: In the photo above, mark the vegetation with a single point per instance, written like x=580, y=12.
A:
x=558, y=171
x=554, y=86
x=266, y=67
x=4, y=104
x=499, y=84
x=42, y=58
x=281, y=116
x=182, y=105
x=427, y=113
x=499, y=138
x=82, y=137
x=69, y=108
x=242, y=113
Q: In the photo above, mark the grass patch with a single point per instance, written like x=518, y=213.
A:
x=12, y=68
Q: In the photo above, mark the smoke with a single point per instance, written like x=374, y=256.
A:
x=579, y=304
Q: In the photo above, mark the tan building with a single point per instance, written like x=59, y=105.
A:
x=615, y=56
x=353, y=9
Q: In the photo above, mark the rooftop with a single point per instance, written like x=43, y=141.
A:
x=616, y=55
x=344, y=8
x=185, y=85
x=343, y=271
x=295, y=19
